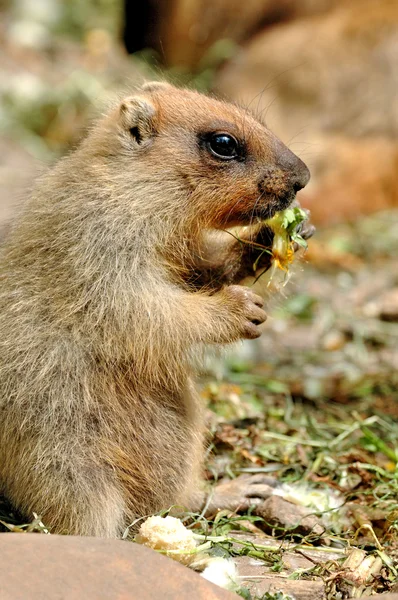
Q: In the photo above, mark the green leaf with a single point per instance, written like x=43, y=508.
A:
x=296, y=237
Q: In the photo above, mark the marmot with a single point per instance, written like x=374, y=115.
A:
x=109, y=290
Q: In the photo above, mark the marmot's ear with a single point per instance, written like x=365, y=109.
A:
x=155, y=86
x=137, y=116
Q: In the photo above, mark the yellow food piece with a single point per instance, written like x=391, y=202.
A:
x=284, y=226
x=170, y=536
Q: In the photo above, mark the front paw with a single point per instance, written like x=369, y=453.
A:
x=247, y=310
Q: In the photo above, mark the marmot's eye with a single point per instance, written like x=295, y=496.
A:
x=223, y=145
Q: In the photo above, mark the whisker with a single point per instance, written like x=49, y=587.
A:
x=232, y=208
x=254, y=207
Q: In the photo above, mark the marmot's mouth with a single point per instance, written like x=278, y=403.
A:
x=264, y=208
x=271, y=205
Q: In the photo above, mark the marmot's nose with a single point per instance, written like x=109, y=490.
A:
x=297, y=172
x=301, y=175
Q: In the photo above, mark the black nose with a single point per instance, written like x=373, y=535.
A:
x=297, y=171
x=301, y=176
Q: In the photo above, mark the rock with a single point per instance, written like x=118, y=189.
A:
x=45, y=567
x=279, y=513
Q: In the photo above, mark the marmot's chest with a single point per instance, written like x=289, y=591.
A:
x=155, y=449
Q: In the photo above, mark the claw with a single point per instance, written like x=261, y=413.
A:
x=241, y=493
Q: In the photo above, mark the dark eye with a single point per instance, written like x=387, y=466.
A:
x=223, y=145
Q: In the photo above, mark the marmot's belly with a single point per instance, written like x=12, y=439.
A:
x=156, y=456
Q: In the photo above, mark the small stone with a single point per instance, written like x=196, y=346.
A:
x=333, y=340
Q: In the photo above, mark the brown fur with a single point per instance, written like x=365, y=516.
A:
x=100, y=321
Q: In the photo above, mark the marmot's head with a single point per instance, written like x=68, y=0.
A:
x=222, y=164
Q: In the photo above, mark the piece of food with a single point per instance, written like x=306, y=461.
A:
x=285, y=226
x=169, y=536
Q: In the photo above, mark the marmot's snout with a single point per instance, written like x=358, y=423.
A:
x=285, y=178
x=295, y=170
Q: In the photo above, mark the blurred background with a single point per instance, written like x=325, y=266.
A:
x=324, y=76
